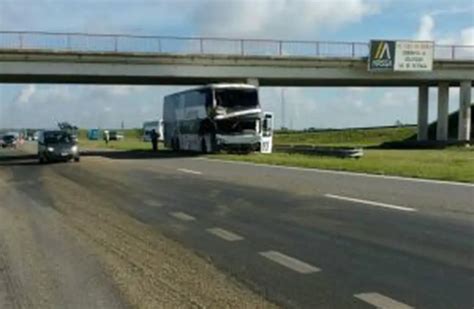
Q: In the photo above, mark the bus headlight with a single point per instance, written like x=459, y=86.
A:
x=50, y=149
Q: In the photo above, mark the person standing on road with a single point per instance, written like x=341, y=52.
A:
x=154, y=139
x=106, y=137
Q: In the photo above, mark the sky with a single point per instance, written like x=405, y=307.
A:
x=30, y=105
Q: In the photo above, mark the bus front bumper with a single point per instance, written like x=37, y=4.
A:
x=249, y=142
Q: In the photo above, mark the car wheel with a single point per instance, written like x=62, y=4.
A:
x=77, y=159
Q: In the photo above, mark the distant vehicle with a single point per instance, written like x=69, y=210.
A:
x=56, y=145
x=28, y=135
x=149, y=126
x=93, y=134
x=36, y=135
x=9, y=141
x=216, y=117
x=115, y=136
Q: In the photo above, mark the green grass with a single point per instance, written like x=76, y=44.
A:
x=132, y=141
x=450, y=164
x=353, y=137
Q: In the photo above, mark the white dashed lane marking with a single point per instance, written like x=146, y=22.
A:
x=370, y=203
x=182, y=216
x=185, y=170
x=381, y=301
x=152, y=203
x=224, y=234
x=290, y=262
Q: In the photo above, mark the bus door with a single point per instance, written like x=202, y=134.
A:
x=266, y=139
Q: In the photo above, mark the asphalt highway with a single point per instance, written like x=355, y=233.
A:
x=302, y=238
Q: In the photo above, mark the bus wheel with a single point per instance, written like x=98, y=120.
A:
x=203, y=146
x=177, y=148
x=173, y=144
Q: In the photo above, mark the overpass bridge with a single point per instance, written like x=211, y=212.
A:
x=42, y=57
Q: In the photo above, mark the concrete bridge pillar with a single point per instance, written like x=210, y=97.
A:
x=423, y=113
x=464, y=130
x=443, y=112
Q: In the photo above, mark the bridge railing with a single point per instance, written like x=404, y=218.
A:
x=84, y=42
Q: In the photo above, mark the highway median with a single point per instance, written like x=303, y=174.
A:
x=453, y=164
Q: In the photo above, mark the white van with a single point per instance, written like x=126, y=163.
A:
x=149, y=126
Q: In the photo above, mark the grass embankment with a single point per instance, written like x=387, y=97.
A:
x=350, y=137
x=450, y=164
x=454, y=164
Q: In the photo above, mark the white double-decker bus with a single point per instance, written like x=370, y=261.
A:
x=215, y=117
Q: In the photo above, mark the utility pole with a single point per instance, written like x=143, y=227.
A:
x=291, y=120
x=283, y=111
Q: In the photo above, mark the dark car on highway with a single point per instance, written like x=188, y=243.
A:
x=57, y=146
x=9, y=141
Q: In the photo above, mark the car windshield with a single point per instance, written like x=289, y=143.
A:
x=57, y=138
x=8, y=138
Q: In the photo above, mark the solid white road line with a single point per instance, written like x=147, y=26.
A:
x=182, y=216
x=371, y=203
x=185, y=170
x=318, y=170
x=289, y=262
x=381, y=301
x=224, y=234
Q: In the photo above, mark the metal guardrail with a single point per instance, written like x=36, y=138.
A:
x=86, y=42
x=341, y=152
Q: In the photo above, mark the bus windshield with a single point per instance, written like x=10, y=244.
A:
x=237, y=126
x=237, y=98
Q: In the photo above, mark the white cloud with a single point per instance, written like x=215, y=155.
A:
x=83, y=105
x=26, y=93
x=467, y=36
x=426, y=28
x=278, y=18
x=453, y=10
x=399, y=97
x=463, y=37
